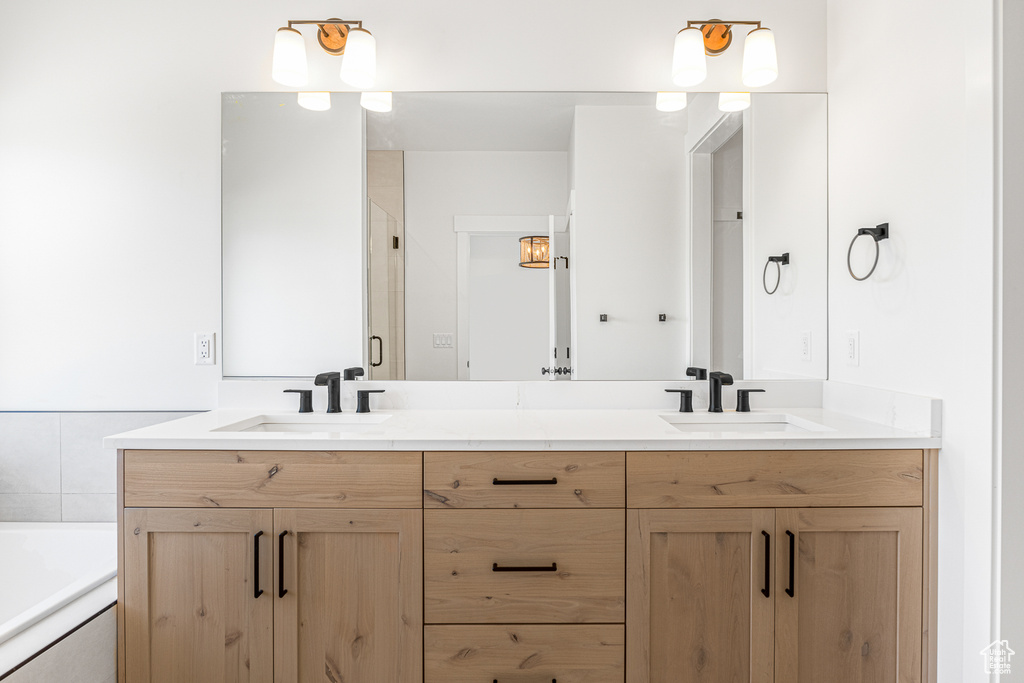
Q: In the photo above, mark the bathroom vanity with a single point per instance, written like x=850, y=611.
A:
x=523, y=546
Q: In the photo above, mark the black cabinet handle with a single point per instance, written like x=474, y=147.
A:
x=553, y=680
x=791, y=591
x=766, y=591
x=523, y=482
x=552, y=568
x=256, y=590
x=380, y=351
x=281, y=590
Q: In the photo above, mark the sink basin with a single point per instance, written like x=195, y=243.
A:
x=339, y=423
x=741, y=423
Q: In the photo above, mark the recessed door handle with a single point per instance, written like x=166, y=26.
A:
x=552, y=568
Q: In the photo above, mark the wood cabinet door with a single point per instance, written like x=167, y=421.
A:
x=855, y=609
x=349, y=603
x=193, y=610
x=699, y=604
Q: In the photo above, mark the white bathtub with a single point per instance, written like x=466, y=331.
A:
x=53, y=578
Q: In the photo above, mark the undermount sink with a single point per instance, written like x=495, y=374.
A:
x=741, y=423
x=338, y=423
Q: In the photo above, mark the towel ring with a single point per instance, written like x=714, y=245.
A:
x=779, y=261
x=878, y=233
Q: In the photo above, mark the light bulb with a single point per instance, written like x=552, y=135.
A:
x=359, y=65
x=689, y=64
x=670, y=101
x=379, y=102
x=733, y=101
x=289, y=58
x=315, y=101
x=760, y=63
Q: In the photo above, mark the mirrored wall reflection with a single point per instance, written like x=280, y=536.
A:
x=659, y=226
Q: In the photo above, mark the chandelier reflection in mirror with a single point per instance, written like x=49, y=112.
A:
x=341, y=37
x=534, y=251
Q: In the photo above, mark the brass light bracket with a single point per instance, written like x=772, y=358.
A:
x=718, y=33
x=332, y=34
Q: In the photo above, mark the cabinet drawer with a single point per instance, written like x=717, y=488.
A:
x=311, y=479
x=775, y=479
x=524, y=566
x=524, y=480
x=528, y=653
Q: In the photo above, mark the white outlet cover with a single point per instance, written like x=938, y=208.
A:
x=205, y=348
x=852, y=348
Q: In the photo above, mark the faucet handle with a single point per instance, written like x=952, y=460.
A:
x=352, y=373
x=685, y=399
x=305, y=399
x=743, y=399
x=363, y=399
x=697, y=373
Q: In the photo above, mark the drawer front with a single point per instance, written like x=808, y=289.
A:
x=524, y=566
x=580, y=653
x=524, y=480
x=775, y=479
x=272, y=479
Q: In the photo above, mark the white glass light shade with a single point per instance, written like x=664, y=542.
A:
x=670, y=101
x=359, y=65
x=760, y=63
x=289, y=58
x=689, y=64
x=379, y=102
x=315, y=101
x=733, y=101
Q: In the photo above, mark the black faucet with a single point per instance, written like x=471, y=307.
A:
x=332, y=380
x=685, y=399
x=363, y=399
x=697, y=373
x=352, y=373
x=716, y=380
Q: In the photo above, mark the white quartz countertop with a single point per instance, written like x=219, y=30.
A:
x=512, y=430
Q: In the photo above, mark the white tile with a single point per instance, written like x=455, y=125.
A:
x=86, y=467
x=88, y=507
x=29, y=452
x=29, y=507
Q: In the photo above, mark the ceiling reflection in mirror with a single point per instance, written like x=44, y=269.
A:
x=525, y=236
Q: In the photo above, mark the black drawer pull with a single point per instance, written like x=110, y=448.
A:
x=766, y=591
x=791, y=591
x=552, y=568
x=524, y=482
x=256, y=590
x=281, y=590
x=553, y=680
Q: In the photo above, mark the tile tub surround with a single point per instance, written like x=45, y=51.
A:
x=53, y=466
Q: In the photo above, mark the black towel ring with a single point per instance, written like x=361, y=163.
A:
x=878, y=233
x=779, y=261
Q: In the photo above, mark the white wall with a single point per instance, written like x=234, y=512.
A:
x=629, y=240
x=786, y=211
x=438, y=187
x=508, y=311
x=925, y=317
x=293, y=248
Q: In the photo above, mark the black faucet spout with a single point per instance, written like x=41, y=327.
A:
x=332, y=380
x=715, y=382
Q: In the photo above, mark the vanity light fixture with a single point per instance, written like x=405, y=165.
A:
x=670, y=101
x=315, y=101
x=379, y=102
x=340, y=37
x=534, y=251
x=701, y=39
x=733, y=101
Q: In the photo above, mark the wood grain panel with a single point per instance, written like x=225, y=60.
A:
x=856, y=610
x=461, y=547
x=696, y=612
x=774, y=479
x=353, y=610
x=466, y=480
x=930, y=571
x=580, y=653
x=190, y=611
x=349, y=479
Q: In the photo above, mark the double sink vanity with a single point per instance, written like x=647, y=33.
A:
x=526, y=546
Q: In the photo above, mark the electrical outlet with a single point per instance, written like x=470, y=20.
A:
x=805, y=345
x=205, y=348
x=443, y=340
x=853, y=348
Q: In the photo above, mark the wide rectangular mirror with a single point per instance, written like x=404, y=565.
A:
x=525, y=236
